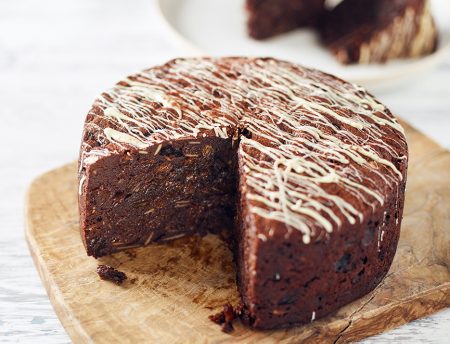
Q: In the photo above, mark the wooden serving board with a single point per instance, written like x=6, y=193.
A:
x=172, y=289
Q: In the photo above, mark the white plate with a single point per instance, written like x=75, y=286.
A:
x=217, y=28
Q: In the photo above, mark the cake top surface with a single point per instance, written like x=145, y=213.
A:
x=322, y=152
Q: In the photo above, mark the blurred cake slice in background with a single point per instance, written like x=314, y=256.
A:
x=369, y=31
x=267, y=18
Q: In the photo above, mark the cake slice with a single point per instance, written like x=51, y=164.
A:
x=303, y=172
x=368, y=31
x=267, y=18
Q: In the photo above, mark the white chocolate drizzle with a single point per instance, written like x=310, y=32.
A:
x=321, y=153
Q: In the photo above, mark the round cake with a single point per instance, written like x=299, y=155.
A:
x=303, y=173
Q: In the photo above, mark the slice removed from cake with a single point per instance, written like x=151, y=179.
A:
x=304, y=172
x=369, y=31
x=267, y=18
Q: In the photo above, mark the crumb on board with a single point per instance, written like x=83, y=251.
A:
x=108, y=273
x=226, y=317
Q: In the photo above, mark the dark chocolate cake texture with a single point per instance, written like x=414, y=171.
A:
x=267, y=18
x=304, y=172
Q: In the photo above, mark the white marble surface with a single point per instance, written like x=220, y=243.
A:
x=55, y=56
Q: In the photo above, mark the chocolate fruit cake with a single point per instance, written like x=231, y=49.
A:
x=267, y=18
x=355, y=31
x=367, y=31
x=304, y=172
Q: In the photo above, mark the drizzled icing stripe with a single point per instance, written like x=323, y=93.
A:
x=321, y=153
x=119, y=137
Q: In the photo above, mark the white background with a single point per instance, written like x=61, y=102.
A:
x=55, y=57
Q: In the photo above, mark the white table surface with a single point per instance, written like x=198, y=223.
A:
x=55, y=57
